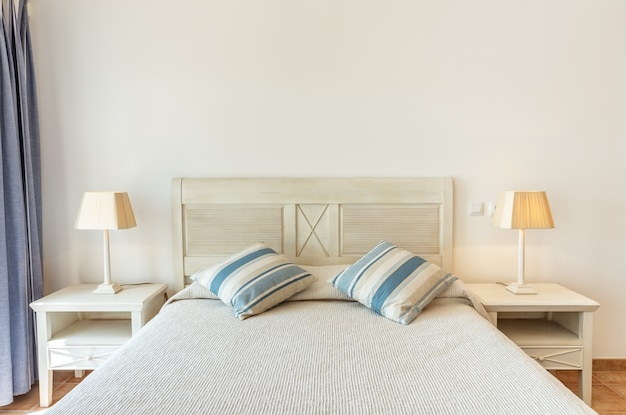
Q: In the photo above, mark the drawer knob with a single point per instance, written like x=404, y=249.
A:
x=540, y=358
x=90, y=357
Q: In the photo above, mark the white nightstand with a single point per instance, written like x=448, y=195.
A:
x=554, y=326
x=78, y=330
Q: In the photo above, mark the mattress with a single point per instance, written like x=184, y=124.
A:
x=319, y=357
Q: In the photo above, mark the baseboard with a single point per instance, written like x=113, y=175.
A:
x=608, y=364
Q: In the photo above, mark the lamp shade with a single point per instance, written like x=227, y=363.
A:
x=105, y=211
x=523, y=210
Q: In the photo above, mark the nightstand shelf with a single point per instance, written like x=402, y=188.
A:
x=534, y=331
x=78, y=330
x=554, y=326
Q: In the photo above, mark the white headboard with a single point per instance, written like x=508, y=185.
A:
x=313, y=221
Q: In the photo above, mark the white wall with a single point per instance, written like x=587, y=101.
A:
x=500, y=95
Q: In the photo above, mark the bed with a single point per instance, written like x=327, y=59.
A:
x=323, y=348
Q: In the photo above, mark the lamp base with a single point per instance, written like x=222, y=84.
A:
x=107, y=288
x=516, y=288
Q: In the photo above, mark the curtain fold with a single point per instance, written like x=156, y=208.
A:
x=21, y=275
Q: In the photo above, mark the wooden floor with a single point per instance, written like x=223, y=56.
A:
x=609, y=390
x=63, y=380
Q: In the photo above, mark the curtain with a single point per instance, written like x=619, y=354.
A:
x=21, y=279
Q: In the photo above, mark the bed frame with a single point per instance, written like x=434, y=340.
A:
x=315, y=221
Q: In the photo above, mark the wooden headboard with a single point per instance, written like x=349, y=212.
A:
x=313, y=221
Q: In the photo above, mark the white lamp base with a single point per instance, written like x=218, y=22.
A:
x=517, y=288
x=107, y=288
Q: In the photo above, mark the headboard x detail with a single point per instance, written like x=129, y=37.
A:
x=314, y=221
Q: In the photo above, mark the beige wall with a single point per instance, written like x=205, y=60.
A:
x=498, y=94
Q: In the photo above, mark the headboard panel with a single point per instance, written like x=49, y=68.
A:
x=312, y=221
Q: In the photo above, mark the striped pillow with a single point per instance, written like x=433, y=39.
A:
x=254, y=280
x=393, y=282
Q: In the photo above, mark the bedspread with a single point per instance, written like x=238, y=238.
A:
x=319, y=357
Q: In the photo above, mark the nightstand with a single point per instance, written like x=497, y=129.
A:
x=554, y=326
x=78, y=330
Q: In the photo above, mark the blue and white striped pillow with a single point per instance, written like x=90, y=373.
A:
x=393, y=282
x=254, y=280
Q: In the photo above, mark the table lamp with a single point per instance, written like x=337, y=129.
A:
x=106, y=211
x=522, y=210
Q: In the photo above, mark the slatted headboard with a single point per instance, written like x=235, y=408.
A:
x=313, y=221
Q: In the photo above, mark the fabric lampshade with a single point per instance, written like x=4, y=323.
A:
x=105, y=210
x=523, y=210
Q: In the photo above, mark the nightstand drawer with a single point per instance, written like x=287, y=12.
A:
x=86, y=344
x=556, y=358
x=79, y=357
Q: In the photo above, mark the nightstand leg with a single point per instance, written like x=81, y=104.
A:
x=136, y=321
x=584, y=378
x=584, y=385
x=45, y=388
x=44, y=332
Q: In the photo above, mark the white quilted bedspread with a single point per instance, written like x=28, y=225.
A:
x=319, y=357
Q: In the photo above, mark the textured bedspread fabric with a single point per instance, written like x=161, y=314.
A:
x=319, y=357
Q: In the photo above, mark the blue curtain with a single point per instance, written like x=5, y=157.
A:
x=21, y=280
